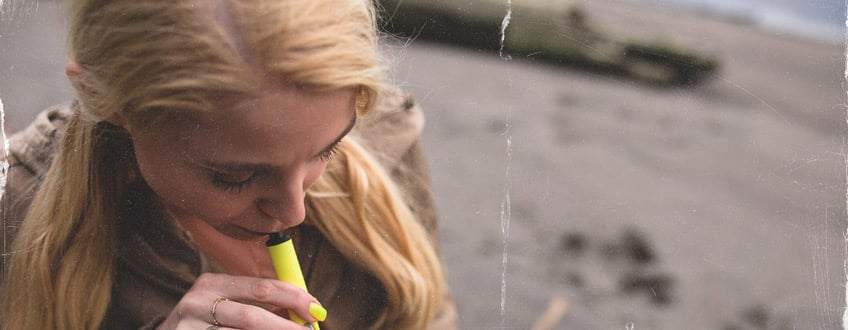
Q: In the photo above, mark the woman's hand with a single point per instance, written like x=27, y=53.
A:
x=239, y=306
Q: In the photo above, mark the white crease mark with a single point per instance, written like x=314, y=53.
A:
x=751, y=94
x=845, y=234
x=4, y=164
x=826, y=259
x=4, y=168
x=504, y=25
x=583, y=43
x=845, y=161
x=506, y=214
x=820, y=271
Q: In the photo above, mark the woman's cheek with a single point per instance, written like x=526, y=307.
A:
x=313, y=174
x=193, y=194
x=210, y=202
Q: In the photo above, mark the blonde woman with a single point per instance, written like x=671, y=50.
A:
x=199, y=128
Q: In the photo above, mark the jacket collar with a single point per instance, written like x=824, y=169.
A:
x=34, y=146
x=392, y=127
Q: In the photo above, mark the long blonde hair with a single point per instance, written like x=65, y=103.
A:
x=373, y=228
x=161, y=61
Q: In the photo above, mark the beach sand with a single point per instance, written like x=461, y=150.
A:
x=548, y=179
x=601, y=202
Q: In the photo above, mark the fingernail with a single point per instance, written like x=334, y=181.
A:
x=318, y=312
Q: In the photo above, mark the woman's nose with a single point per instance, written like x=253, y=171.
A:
x=285, y=203
x=289, y=212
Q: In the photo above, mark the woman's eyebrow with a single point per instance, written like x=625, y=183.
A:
x=339, y=138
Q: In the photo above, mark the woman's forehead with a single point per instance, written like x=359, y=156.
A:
x=277, y=125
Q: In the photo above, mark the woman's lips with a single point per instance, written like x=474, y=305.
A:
x=245, y=234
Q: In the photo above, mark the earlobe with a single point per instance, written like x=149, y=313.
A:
x=75, y=74
x=73, y=70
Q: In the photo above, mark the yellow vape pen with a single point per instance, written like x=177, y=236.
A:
x=281, y=248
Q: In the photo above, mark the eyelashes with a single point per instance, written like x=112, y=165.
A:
x=230, y=183
x=238, y=180
x=329, y=154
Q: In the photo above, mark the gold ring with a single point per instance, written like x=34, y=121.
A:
x=215, y=307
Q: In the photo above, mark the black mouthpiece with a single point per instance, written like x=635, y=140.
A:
x=277, y=238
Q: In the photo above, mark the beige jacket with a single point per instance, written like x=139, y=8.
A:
x=157, y=263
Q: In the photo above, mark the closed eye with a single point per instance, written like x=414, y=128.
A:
x=330, y=151
x=327, y=155
x=231, y=181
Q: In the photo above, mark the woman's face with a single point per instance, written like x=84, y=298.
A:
x=245, y=169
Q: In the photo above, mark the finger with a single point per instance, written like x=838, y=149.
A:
x=245, y=316
x=270, y=292
x=196, y=324
x=215, y=327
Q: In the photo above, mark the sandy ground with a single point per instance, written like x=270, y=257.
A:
x=715, y=207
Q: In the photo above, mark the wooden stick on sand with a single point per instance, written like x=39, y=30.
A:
x=556, y=310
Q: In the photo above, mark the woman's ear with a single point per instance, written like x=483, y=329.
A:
x=74, y=72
